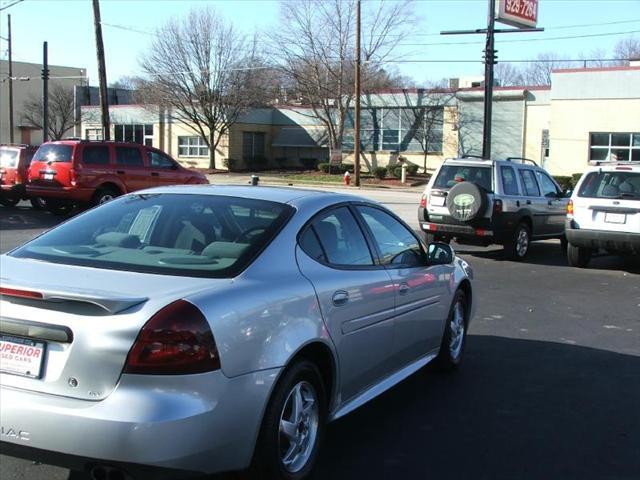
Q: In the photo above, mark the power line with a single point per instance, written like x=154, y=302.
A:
x=569, y=37
x=10, y=5
x=557, y=27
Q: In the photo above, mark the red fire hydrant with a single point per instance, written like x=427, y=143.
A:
x=347, y=178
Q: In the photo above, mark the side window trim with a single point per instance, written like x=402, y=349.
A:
x=373, y=245
x=503, y=168
x=141, y=151
x=544, y=174
x=372, y=249
x=524, y=184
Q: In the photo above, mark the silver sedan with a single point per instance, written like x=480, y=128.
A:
x=196, y=329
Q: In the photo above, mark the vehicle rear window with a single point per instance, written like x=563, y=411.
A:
x=53, y=153
x=617, y=184
x=449, y=175
x=8, y=157
x=172, y=234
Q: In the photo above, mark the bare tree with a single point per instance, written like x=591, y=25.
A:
x=538, y=71
x=596, y=58
x=627, y=49
x=61, y=111
x=507, y=75
x=314, y=45
x=203, y=72
x=423, y=110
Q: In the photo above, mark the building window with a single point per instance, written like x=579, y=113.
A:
x=253, y=146
x=614, y=146
x=136, y=133
x=93, y=134
x=192, y=147
x=408, y=129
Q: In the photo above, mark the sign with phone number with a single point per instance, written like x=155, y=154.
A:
x=518, y=13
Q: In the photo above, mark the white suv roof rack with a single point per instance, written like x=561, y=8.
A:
x=597, y=163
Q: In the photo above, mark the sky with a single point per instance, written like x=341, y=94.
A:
x=67, y=26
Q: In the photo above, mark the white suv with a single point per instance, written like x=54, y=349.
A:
x=604, y=212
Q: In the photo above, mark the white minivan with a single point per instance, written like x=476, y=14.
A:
x=604, y=212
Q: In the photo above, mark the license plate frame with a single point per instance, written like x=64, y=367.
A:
x=437, y=201
x=21, y=364
x=619, y=218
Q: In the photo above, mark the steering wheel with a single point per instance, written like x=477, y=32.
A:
x=248, y=233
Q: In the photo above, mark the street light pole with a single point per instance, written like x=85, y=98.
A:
x=490, y=59
x=356, y=133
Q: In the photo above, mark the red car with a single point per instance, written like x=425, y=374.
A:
x=81, y=172
x=14, y=167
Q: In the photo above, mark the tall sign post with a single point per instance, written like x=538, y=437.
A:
x=522, y=14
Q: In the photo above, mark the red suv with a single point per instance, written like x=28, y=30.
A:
x=14, y=167
x=76, y=172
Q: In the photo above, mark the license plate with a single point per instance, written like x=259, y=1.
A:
x=48, y=175
x=615, y=218
x=437, y=201
x=21, y=356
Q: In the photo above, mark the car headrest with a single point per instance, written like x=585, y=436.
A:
x=610, y=191
x=224, y=250
x=118, y=239
x=626, y=187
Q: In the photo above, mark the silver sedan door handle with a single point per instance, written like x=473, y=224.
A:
x=340, y=298
x=403, y=289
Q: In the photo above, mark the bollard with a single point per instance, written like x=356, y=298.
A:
x=347, y=178
x=403, y=177
x=254, y=180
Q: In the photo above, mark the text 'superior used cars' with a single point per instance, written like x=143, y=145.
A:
x=199, y=329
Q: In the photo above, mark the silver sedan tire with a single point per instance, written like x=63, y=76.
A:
x=454, y=337
x=293, y=425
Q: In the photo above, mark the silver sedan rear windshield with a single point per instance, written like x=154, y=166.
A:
x=172, y=234
x=618, y=184
x=449, y=175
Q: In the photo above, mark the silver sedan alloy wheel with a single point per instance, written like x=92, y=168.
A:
x=299, y=426
x=457, y=331
x=522, y=242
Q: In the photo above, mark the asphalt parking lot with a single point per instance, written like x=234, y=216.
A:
x=549, y=387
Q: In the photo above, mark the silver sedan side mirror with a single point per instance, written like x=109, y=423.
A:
x=439, y=253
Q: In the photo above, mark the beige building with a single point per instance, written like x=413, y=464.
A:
x=586, y=114
x=27, y=84
x=594, y=114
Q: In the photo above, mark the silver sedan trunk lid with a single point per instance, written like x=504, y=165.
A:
x=85, y=333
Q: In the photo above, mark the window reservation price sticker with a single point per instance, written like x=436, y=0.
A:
x=518, y=13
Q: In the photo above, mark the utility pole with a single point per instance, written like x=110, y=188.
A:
x=10, y=80
x=45, y=93
x=489, y=62
x=490, y=59
x=102, y=72
x=356, y=133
